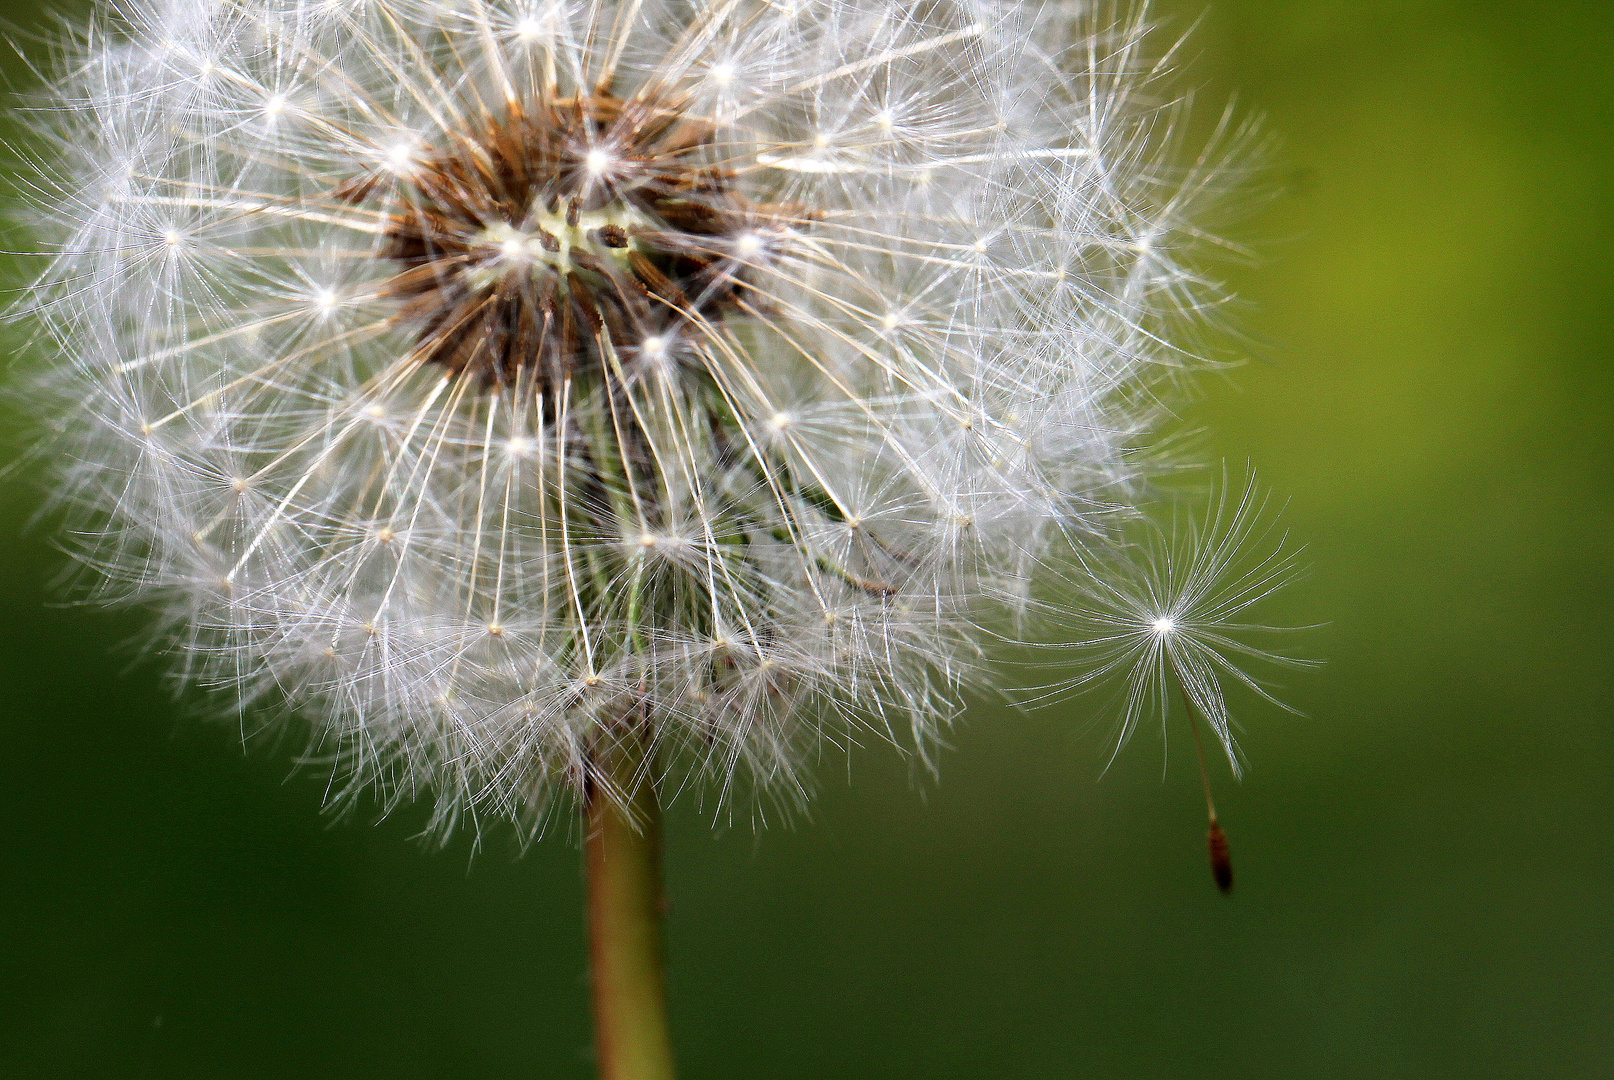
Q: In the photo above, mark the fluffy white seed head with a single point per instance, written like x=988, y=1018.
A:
x=490, y=379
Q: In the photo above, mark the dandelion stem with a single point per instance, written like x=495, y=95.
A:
x=622, y=853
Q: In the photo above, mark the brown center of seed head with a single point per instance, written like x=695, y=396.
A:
x=536, y=245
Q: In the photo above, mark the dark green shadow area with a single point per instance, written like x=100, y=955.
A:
x=1426, y=861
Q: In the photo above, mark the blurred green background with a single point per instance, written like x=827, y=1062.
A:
x=1426, y=862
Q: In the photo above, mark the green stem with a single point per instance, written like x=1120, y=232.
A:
x=625, y=908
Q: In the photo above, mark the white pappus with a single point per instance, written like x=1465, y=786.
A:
x=482, y=379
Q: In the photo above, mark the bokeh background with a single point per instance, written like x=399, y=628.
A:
x=1426, y=861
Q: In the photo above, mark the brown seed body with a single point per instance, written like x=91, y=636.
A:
x=1221, y=859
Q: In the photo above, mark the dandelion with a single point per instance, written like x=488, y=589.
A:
x=609, y=397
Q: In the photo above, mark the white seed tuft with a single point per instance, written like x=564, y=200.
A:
x=725, y=368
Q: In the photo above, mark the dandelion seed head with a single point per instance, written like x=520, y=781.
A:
x=727, y=368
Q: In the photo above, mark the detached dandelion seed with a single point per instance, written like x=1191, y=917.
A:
x=606, y=398
x=1166, y=621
